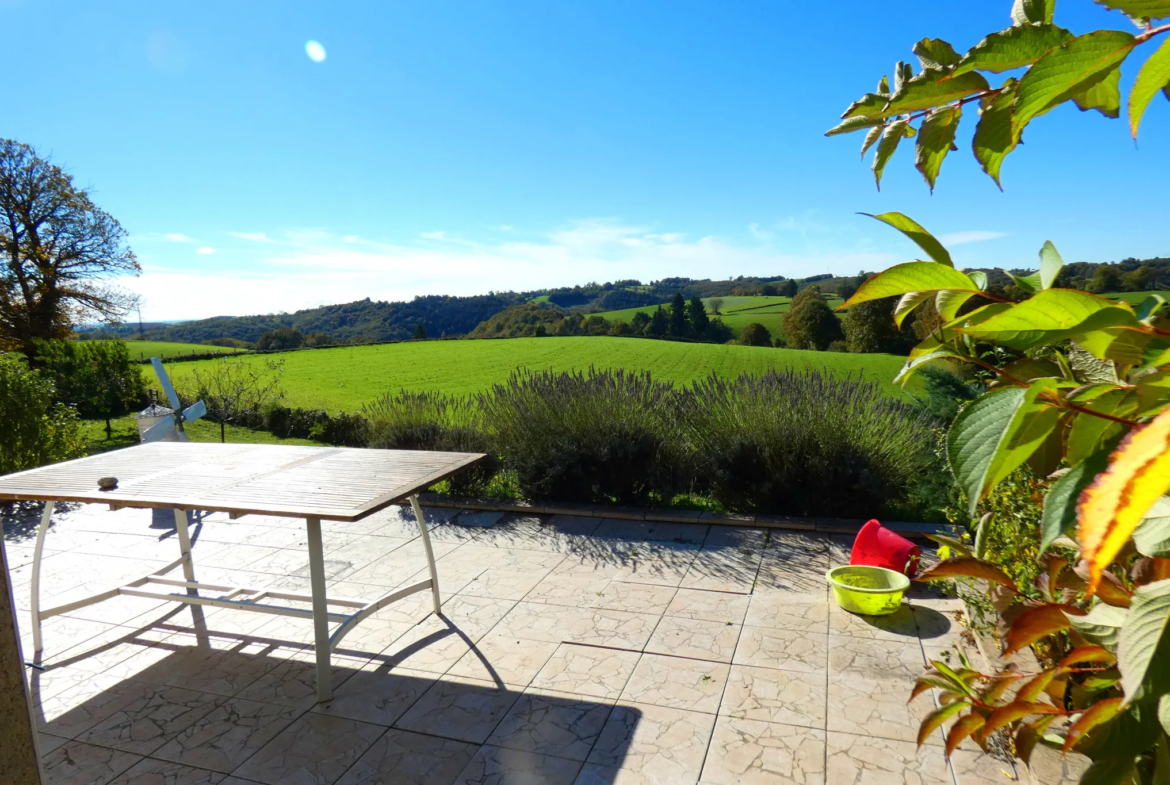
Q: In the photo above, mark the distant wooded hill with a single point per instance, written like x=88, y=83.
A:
x=371, y=321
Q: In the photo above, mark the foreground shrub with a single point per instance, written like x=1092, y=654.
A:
x=33, y=430
x=236, y=391
x=805, y=443
x=97, y=378
x=433, y=421
x=599, y=436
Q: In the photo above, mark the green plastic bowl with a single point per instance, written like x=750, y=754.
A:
x=870, y=591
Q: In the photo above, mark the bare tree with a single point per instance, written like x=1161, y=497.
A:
x=236, y=391
x=57, y=252
x=716, y=304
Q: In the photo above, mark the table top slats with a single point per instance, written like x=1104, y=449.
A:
x=334, y=483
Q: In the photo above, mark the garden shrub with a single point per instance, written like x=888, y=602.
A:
x=98, y=378
x=34, y=430
x=433, y=421
x=599, y=436
x=805, y=443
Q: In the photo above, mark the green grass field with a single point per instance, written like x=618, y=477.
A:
x=125, y=434
x=345, y=378
x=144, y=350
x=1134, y=298
x=736, y=312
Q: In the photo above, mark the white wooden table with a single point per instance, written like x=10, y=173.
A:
x=314, y=483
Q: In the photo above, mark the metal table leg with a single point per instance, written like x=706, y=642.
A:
x=35, y=600
x=426, y=540
x=320, y=610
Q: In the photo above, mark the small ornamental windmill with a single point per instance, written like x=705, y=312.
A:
x=173, y=422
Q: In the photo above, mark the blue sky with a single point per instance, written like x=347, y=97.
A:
x=463, y=146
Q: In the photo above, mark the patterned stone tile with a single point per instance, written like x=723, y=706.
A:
x=157, y=772
x=499, y=658
x=228, y=736
x=315, y=748
x=587, y=670
x=677, y=683
x=475, y=615
x=897, y=626
x=651, y=563
x=463, y=709
x=650, y=744
x=377, y=694
x=860, y=760
x=293, y=683
x=683, y=533
x=796, y=544
x=74, y=711
x=220, y=670
x=539, y=622
x=975, y=768
x=492, y=765
x=619, y=629
x=875, y=658
x=572, y=589
x=877, y=706
x=695, y=638
x=632, y=597
x=708, y=605
x=155, y=715
x=504, y=584
x=737, y=537
x=796, y=574
x=750, y=752
x=790, y=650
x=781, y=610
x=47, y=742
x=724, y=569
x=770, y=695
x=433, y=646
x=552, y=723
x=76, y=763
x=404, y=758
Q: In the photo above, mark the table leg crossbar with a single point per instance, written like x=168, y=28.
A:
x=242, y=598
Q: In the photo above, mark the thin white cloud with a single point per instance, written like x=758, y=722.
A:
x=507, y=228
x=205, y=251
x=962, y=238
x=177, y=237
x=255, y=237
x=302, y=268
x=758, y=233
x=432, y=235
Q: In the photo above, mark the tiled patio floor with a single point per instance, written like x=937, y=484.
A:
x=571, y=650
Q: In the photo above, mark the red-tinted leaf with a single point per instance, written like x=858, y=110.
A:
x=1035, y=623
x=1027, y=736
x=936, y=718
x=1035, y=686
x=1101, y=712
x=959, y=680
x=1110, y=589
x=1013, y=712
x=968, y=567
x=929, y=680
x=961, y=730
x=998, y=687
x=1087, y=654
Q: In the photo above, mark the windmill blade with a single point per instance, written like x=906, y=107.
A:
x=165, y=381
x=194, y=411
x=160, y=430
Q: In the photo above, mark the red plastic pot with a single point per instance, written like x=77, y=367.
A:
x=877, y=546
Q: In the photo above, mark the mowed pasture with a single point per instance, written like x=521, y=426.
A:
x=343, y=379
x=736, y=312
x=144, y=350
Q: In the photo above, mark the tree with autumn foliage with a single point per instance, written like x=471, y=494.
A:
x=1080, y=391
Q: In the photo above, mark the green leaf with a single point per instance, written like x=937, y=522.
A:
x=981, y=534
x=1149, y=616
x=936, y=718
x=869, y=105
x=1139, y=9
x=1013, y=48
x=1102, y=625
x=929, y=89
x=1104, y=96
x=924, y=239
x=935, y=53
x=1164, y=714
x=1031, y=11
x=1149, y=306
x=995, y=434
x=1089, y=434
x=907, y=303
x=1060, y=504
x=980, y=279
x=1111, y=771
x=1029, y=284
x=891, y=136
x=1050, y=264
x=1154, y=76
x=948, y=303
x=854, y=124
x=871, y=139
x=900, y=75
x=1068, y=70
x=1051, y=315
x=1162, y=754
x=993, y=135
x=935, y=140
x=1152, y=537
x=910, y=277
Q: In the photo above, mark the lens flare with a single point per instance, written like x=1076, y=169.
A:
x=315, y=51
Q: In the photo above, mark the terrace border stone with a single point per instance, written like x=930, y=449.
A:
x=657, y=515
